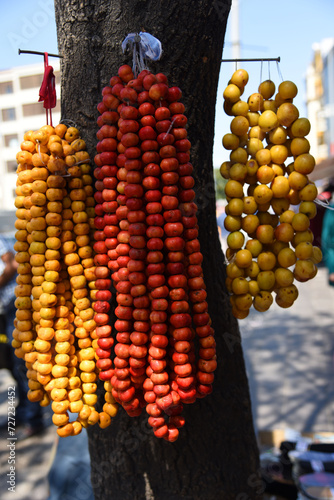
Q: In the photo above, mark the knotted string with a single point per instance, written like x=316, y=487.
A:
x=144, y=47
x=47, y=92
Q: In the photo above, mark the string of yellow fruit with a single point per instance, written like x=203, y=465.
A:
x=269, y=243
x=54, y=328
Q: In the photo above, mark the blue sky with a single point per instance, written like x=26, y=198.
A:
x=285, y=29
x=26, y=25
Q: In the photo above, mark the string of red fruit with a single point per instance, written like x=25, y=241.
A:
x=147, y=248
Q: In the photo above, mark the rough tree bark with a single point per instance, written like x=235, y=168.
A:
x=216, y=455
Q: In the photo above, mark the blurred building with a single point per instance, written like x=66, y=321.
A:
x=20, y=111
x=320, y=108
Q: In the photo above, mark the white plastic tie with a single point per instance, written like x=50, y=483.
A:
x=317, y=466
x=39, y=152
x=144, y=46
x=323, y=202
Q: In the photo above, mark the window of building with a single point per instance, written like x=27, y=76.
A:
x=35, y=108
x=31, y=81
x=321, y=138
x=11, y=140
x=6, y=87
x=11, y=166
x=8, y=114
x=35, y=81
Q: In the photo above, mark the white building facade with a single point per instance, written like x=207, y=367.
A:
x=20, y=111
x=320, y=107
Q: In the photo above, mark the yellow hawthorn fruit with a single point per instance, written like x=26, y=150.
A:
x=308, y=208
x=316, y=255
x=299, y=146
x=281, y=303
x=252, y=270
x=243, y=258
x=254, y=288
x=263, y=209
x=239, y=125
x=265, y=174
x=233, y=271
x=304, y=163
x=279, y=205
x=288, y=293
x=71, y=134
x=297, y=181
x=249, y=205
x=268, y=120
x=253, y=146
x=235, y=240
x=279, y=153
x=276, y=246
x=255, y=102
x=287, y=89
x=283, y=277
x=233, y=189
x=48, y=129
x=300, y=222
x=267, y=89
x=287, y=113
x=252, y=166
x=304, y=270
x=250, y=223
x=238, y=155
x=300, y=127
x=240, y=78
x=238, y=172
x=308, y=192
x=269, y=105
x=239, y=108
x=278, y=135
x=280, y=186
x=253, y=118
x=263, y=157
x=231, y=93
x=257, y=132
x=262, y=194
x=266, y=280
x=239, y=285
x=265, y=233
x=227, y=106
x=40, y=137
x=262, y=301
x=279, y=100
x=254, y=246
x=284, y=232
x=239, y=314
x=302, y=236
x=230, y=141
x=304, y=250
x=243, y=302
x=266, y=261
x=232, y=223
x=286, y=257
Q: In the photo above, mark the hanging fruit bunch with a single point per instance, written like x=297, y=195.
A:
x=270, y=198
x=159, y=353
x=54, y=329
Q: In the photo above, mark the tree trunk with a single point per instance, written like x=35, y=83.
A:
x=216, y=455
